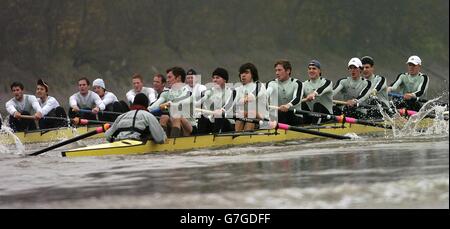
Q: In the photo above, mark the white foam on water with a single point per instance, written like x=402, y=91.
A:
x=413, y=126
x=8, y=133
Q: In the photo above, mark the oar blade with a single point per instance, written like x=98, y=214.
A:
x=77, y=138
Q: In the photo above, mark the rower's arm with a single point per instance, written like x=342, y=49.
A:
x=381, y=85
x=157, y=132
x=113, y=128
x=151, y=95
x=338, y=87
x=298, y=94
x=73, y=101
x=10, y=107
x=51, y=104
x=364, y=93
x=109, y=98
x=35, y=104
x=325, y=88
x=423, y=87
x=130, y=96
x=394, y=86
x=99, y=102
x=155, y=106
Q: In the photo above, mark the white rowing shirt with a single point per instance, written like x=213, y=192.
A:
x=29, y=104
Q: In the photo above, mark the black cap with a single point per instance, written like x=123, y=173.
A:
x=141, y=99
x=222, y=73
x=367, y=60
x=191, y=72
x=42, y=83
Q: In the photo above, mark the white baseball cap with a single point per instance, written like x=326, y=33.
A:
x=99, y=82
x=414, y=60
x=355, y=62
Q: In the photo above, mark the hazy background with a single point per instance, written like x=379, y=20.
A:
x=61, y=40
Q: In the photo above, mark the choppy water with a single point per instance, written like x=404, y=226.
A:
x=383, y=172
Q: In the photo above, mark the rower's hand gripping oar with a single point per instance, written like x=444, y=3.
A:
x=287, y=127
x=83, y=136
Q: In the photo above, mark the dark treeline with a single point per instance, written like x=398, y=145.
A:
x=61, y=40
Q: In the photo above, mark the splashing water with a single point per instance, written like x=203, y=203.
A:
x=7, y=133
x=429, y=120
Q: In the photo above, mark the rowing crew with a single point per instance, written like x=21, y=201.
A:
x=249, y=99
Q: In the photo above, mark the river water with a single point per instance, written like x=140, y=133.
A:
x=369, y=172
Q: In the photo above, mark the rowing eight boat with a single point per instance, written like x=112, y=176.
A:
x=211, y=141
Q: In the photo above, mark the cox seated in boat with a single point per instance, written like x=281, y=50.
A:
x=413, y=85
x=110, y=100
x=50, y=108
x=85, y=100
x=285, y=92
x=137, y=123
x=354, y=90
x=178, y=101
x=22, y=104
x=251, y=98
x=217, y=98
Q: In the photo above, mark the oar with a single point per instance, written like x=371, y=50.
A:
x=83, y=136
x=400, y=96
x=284, y=126
x=75, y=121
x=101, y=112
x=44, y=117
x=342, y=119
x=313, y=132
x=406, y=112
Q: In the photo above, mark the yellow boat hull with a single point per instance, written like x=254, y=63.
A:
x=46, y=135
x=208, y=141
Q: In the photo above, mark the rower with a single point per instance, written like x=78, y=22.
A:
x=22, y=104
x=251, y=98
x=412, y=85
x=110, y=101
x=138, y=87
x=137, y=123
x=378, y=91
x=318, y=92
x=193, y=84
x=178, y=102
x=50, y=107
x=286, y=93
x=85, y=99
x=159, y=85
x=219, y=99
x=353, y=89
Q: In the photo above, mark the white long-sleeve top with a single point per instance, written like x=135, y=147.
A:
x=109, y=98
x=149, y=92
x=29, y=104
x=48, y=105
x=196, y=90
x=91, y=100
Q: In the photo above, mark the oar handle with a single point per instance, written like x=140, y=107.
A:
x=86, y=135
x=339, y=102
x=101, y=112
x=43, y=117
